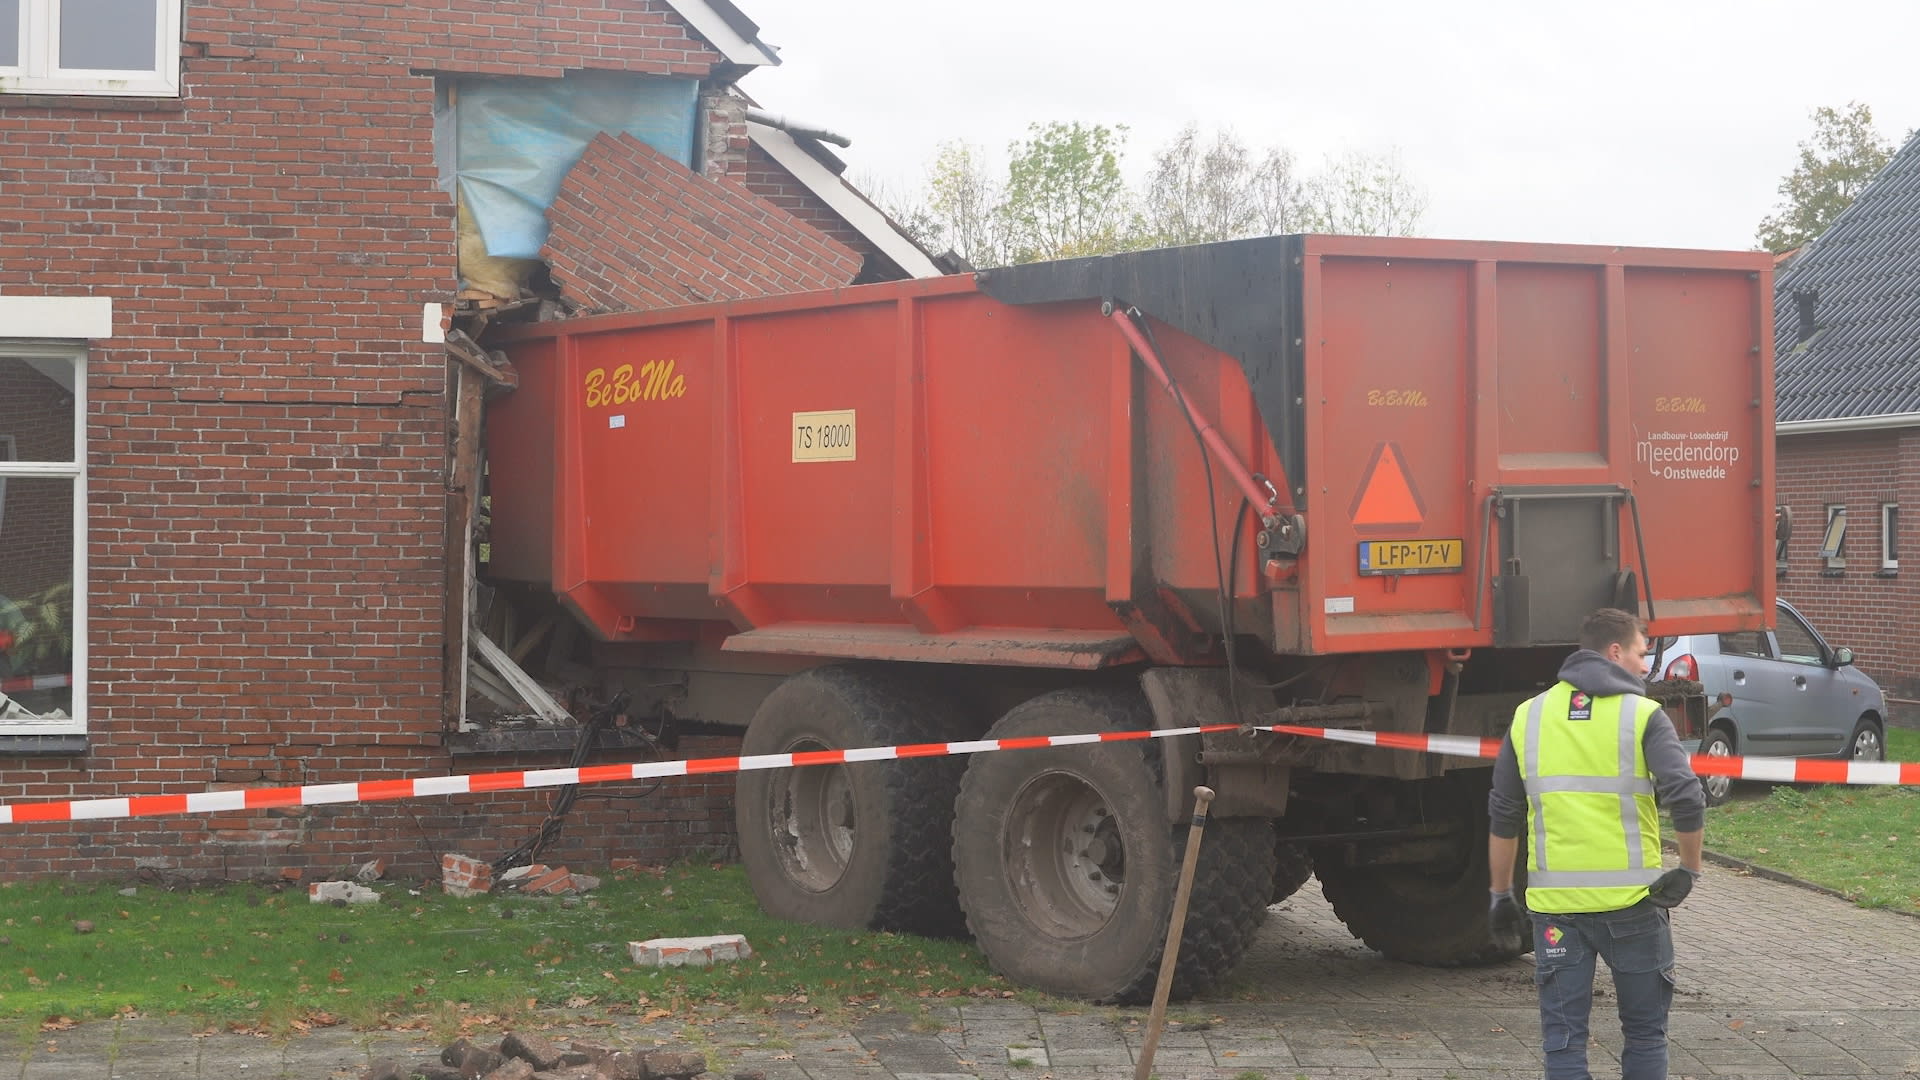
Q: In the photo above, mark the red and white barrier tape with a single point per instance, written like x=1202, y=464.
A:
x=241, y=799
x=20, y=684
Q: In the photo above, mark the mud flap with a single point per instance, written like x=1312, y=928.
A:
x=1189, y=697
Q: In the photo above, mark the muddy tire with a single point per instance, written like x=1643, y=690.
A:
x=1067, y=864
x=861, y=846
x=1434, y=915
x=1292, y=868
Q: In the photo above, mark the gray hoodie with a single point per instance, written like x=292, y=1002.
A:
x=1675, y=786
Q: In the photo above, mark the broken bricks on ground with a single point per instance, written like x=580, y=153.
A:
x=530, y=1057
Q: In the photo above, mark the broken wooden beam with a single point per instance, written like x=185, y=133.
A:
x=535, y=695
x=493, y=366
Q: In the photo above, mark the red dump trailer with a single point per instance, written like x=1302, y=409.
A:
x=1349, y=482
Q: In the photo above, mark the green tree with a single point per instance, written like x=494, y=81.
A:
x=1064, y=195
x=964, y=199
x=1836, y=164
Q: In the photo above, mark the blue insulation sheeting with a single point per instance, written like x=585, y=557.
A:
x=516, y=139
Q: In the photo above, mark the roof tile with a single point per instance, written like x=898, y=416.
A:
x=1864, y=358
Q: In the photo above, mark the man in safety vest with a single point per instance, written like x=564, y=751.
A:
x=1581, y=768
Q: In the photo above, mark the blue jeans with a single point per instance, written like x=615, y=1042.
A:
x=1637, y=944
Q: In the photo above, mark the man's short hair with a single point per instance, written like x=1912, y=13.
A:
x=1610, y=626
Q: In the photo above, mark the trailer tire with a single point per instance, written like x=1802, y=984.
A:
x=1434, y=916
x=1092, y=922
x=863, y=845
x=1293, y=868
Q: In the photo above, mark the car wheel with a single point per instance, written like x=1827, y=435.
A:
x=1866, y=743
x=1719, y=744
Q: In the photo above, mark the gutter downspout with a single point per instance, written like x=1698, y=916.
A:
x=795, y=127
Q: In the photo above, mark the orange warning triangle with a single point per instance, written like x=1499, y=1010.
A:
x=1387, y=498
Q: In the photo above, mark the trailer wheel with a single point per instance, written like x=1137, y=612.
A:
x=1434, y=915
x=1292, y=868
x=1067, y=864
x=864, y=845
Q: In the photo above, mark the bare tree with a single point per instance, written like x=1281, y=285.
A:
x=1361, y=194
x=1277, y=194
x=1204, y=190
x=1200, y=191
x=910, y=212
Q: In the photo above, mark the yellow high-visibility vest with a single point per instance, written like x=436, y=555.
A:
x=1595, y=843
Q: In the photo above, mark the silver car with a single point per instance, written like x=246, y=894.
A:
x=1778, y=693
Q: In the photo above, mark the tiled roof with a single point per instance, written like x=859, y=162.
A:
x=1863, y=358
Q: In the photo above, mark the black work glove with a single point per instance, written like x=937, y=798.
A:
x=1506, y=921
x=1671, y=887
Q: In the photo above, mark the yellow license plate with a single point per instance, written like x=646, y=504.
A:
x=1410, y=557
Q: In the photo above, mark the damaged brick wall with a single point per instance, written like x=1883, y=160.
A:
x=727, y=151
x=267, y=428
x=765, y=178
x=693, y=240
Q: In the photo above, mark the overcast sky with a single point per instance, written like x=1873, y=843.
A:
x=1666, y=124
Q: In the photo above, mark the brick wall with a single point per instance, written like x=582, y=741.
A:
x=765, y=178
x=693, y=240
x=1869, y=611
x=267, y=429
x=727, y=146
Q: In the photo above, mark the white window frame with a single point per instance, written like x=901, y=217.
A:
x=39, y=70
x=6, y=454
x=1833, y=542
x=74, y=353
x=1889, y=536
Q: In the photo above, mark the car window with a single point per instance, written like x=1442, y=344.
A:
x=1746, y=643
x=1797, y=642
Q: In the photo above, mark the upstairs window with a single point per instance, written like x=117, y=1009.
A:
x=1889, y=536
x=1833, y=542
x=124, y=48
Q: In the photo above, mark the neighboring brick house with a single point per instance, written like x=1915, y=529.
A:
x=229, y=252
x=1847, y=386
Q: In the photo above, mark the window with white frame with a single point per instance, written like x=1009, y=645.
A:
x=126, y=48
x=1889, y=536
x=1833, y=542
x=43, y=639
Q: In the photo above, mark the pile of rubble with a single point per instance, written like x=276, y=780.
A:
x=530, y=1057
x=464, y=875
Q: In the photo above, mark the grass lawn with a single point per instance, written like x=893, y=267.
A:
x=1859, y=841
x=253, y=958
x=249, y=957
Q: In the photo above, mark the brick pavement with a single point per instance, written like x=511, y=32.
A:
x=1776, y=982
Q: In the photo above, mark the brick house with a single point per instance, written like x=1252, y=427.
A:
x=1847, y=383
x=231, y=251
